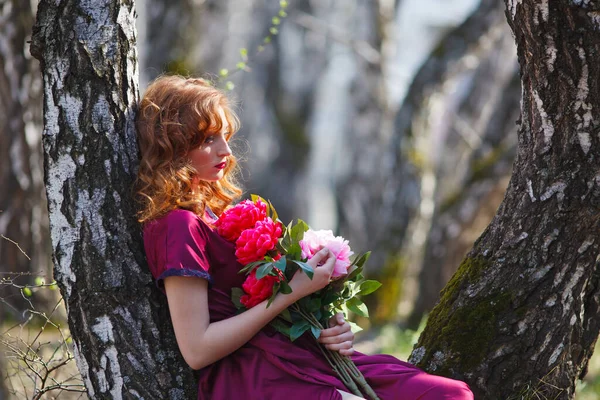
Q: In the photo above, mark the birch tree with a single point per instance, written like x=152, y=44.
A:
x=520, y=317
x=123, y=340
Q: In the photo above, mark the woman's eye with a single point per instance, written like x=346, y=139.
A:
x=209, y=140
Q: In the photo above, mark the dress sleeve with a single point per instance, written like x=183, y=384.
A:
x=185, y=248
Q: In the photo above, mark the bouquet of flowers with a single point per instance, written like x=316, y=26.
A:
x=272, y=253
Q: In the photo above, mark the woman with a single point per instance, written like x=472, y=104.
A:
x=186, y=179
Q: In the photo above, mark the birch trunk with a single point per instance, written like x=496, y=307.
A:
x=122, y=336
x=519, y=317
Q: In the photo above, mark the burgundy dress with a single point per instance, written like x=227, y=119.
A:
x=269, y=366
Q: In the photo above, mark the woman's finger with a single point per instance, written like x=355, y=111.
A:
x=318, y=257
x=336, y=330
x=339, y=346
x=342, y=337
x=347, y=352
x=338, y=319
x=329, y=263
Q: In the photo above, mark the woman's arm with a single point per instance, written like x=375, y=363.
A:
x=201, y=343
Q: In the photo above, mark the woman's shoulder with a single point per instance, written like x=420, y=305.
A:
x=176, y=220
x=181, y=216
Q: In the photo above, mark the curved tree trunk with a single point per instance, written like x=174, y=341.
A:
x=520, y=315
x=123, y=339
x=23, y=215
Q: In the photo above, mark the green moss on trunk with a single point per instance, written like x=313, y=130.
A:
x=468, y=329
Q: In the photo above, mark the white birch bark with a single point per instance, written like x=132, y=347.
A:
x=121, y=331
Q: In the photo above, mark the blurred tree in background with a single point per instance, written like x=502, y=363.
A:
x=23, y=210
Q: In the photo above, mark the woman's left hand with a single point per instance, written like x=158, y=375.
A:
x=339, y=337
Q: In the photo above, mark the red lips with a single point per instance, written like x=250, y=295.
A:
x=221, y=165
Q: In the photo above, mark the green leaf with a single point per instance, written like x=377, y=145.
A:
x=297, y=231
x=281, y=263
x=264, y=270
x=363, y=259
x=357, y=307
x=244, y=53
x=282, y=14
x=267, y=39
x=306, y=268
x=275, y=21
x=304, y=303
x=285, y=288
x=39, y=281
x=317, y=314
x=298, y=329
x=368, y=287
x=329, y=297
x=354, y=327
x=229, y=85
x=315, y=304
x=223, y=72
x=236, y=293
x=274, y=215
x=256, y=197
x=250, y=266
x=26, y=291
x=275, y=291
x=294, y=251
x=281, y=326
x=285, y=314
x=273, y=31
x=283, y=3
x=315, y=331
x=240, y=65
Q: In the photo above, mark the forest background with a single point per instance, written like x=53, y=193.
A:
x=392, y=122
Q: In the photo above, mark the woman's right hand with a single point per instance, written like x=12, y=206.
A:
x=302, y=285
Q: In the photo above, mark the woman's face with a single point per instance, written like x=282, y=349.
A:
x=210, y=158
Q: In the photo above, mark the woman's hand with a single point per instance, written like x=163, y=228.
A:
x=339, y=337
x=322, y=264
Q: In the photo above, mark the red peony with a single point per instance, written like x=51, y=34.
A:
x=253, y=244
x=257, y=289
x=244, y=215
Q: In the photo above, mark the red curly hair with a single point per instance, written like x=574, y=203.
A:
x=174, y=117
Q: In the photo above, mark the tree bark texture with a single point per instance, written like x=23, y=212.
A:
x=23, y=210
x=465, y=136
x=519, y=318
x=122, y=334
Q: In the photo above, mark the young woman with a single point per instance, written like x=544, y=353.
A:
x=185, y=180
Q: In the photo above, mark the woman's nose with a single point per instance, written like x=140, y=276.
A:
x=224, y=149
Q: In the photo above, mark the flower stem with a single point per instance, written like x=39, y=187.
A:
x=343, y=366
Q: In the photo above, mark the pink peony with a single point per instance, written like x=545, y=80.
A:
x=244, y=215
x=313, y=241
x=257, y=289
x=254, y=243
